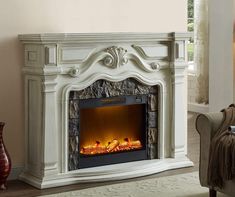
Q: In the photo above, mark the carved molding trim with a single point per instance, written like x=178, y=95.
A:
x=140, y=51
x=147, y=67
x=115, y=57
x=50, y=55
x=161, y=51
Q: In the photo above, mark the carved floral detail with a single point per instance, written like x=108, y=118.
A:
x=116, y=57
x=155, y=66
x=74, y=72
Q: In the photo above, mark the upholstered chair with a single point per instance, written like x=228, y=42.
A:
x=207, y=125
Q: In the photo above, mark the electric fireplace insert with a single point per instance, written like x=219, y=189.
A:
x=112, y=130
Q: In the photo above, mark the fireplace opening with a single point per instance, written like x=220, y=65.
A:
x=112, y=130
x=112, y=122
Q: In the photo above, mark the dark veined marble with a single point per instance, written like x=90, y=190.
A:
x=152, y=102
x=104, y=89
x=152, y=117
x=73, y=127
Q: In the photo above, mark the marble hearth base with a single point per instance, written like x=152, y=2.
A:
x=109, y=173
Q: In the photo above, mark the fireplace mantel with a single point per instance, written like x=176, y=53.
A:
x=56, y=64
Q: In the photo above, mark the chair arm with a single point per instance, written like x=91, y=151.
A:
x=206, y=125
x=210, y=120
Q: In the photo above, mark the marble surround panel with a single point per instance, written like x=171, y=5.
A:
x=105, y=89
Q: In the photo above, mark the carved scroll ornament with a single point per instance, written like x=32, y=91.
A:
x=115, y=57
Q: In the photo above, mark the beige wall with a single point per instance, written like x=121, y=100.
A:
x=40, y=16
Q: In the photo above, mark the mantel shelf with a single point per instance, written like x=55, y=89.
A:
x=100, y=37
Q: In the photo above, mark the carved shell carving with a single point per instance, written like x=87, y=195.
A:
x=116, y=57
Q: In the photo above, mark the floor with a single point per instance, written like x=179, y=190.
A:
x=20, y=189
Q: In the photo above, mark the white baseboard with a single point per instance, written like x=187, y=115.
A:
x=15, y=172
x=198, y=108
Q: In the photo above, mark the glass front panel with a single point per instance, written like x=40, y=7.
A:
x=112, y=129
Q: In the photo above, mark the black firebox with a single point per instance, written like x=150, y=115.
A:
x=112, y=130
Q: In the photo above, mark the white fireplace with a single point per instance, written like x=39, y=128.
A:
x=58, y=64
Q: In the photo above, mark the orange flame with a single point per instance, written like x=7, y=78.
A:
x=114, y=146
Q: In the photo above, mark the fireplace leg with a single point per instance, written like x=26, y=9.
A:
x=212, y=193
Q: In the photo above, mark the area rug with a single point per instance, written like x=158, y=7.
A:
x=182, y=185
